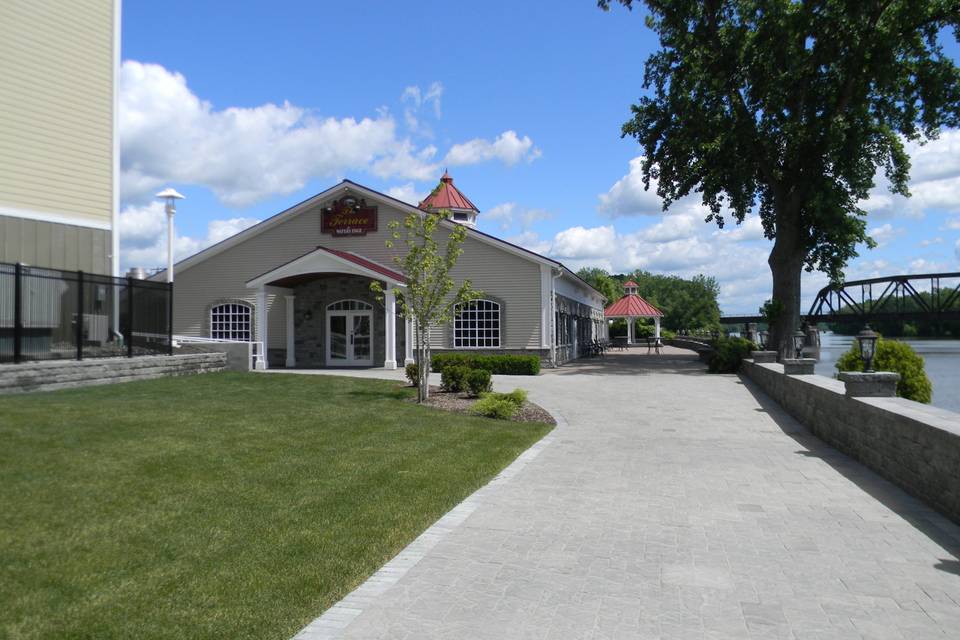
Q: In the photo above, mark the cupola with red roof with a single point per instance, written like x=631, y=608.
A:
x=445, y=196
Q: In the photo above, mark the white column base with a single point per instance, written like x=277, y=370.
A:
x=389, y=364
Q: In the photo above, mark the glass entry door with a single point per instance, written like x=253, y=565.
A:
x=349, y=338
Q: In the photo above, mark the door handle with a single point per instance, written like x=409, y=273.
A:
x=351, y=338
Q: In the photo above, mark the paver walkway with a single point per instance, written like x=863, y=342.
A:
x=675, y=504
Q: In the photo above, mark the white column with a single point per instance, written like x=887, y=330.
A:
x=262, y=326
x=407, y=341
x=629, y=330
x=291, y=342
x=390, y=342
x=656, y=327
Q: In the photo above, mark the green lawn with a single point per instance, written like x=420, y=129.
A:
x=220, y=506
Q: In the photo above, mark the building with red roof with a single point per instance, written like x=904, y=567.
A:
x=630, y=307
x=446, y=197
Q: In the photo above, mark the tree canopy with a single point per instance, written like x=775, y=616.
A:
x=790, y=109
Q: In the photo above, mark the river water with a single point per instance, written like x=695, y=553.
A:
x=941, y=359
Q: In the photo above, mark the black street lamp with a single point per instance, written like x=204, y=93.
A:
x=867, y=339
x=798, y=339
x=763, y=336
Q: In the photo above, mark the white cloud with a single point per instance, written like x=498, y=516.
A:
x=502, y=214
x=169, y=135
x=885, y=233
x=143, y=236
x=628, y=197
x=407, y=193
x=931, y=241
x=508, y=148
x=413, y=99
x=506, y=214
x=579, y=242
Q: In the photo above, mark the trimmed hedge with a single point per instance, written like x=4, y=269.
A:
x=728, y=354
x=502, y=364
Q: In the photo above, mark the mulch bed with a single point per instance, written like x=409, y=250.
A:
x=462, y=403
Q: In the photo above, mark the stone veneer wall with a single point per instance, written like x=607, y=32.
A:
x=311, y=334
x=913, y=445
x=62, y=374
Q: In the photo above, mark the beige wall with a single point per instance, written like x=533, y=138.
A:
x=509, y=279
x=56, y=110
x=55, y=246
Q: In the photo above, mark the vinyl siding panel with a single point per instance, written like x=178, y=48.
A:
x=511, y=280
x=56, y=109
x=54, y=246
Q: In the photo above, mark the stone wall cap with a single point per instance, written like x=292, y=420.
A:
x=799, y=360
x=873, y=376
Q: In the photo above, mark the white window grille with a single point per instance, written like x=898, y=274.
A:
x=349, y=305
x=232, y=321
x=476, y=325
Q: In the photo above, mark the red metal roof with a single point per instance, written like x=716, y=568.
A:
x=632, y=305
x=630, y=283
x=447, y=196
x=367, y=264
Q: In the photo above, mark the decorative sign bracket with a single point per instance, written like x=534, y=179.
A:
x=348, y=216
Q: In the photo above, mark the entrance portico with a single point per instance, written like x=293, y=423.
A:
x=331, y=314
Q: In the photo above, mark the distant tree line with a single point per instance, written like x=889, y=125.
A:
x=687, y=304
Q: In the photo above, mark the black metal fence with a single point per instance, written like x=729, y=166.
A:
x=49, y=314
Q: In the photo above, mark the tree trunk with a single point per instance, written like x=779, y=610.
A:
x=786, y=265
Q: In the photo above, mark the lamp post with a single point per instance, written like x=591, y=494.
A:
x=867, y=340
x=798, y=339
x=171, y=196
x=762, y=337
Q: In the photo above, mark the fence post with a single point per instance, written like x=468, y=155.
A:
x=169, y=318
x=17, y=313
x=129, y=336
x=79, y=315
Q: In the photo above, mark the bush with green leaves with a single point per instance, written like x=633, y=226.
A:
x=500, y=364
x=412, y=371
x=454, y=378
x=478, y=381
x=892, y=355
x=517, y=396
x=491, y=406
x=728, y=354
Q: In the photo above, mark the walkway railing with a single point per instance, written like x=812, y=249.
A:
x=258, y=354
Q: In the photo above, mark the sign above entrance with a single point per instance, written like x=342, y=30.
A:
x=348, y=216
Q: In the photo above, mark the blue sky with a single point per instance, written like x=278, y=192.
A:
x=247, y=108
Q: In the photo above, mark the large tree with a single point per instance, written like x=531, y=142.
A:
x=790, y=108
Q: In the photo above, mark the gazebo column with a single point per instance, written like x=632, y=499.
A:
x=390, y=341
x=262, y=333
x=656, y=326
x=629, y=330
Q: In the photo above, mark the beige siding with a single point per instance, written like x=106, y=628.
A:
x=513, y=281
x=56, y=108
x=55, y=246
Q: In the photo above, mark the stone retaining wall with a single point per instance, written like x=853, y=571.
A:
x=62, y=374
x=913, y=445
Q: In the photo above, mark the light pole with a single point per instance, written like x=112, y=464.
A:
x=171, y=196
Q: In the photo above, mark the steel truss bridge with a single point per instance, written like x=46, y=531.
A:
x=929, y=296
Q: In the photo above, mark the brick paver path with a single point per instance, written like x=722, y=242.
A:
x=674, y=504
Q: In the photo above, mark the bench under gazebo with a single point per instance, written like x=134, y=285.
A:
x=630, y=307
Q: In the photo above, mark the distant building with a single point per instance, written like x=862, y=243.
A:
x=300, y=283
x=58, y=142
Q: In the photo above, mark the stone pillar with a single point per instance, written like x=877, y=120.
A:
x=763, y=356
x=262, y=330
x=879, y=384
x=751, y=332
x=291, y=337
x=390, y=335
x=798, y=366
x=408, y=341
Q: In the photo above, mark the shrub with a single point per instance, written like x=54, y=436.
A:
x=493, y=407
x=412, y=371
x=666, y=334
x=517, y=396
x=454, y=378
x=478, y=381
x=896, y=356
x=728, y=354
x=502, y=364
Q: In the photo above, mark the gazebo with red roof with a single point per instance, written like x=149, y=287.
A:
x=630, y=307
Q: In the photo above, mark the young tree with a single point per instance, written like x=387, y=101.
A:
x=429, y=297
x=791, y=107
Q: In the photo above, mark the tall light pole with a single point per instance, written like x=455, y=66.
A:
x=171, y=196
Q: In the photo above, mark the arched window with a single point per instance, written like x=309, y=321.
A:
x=349, y=305
x=232, y=321
x=476, y=325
